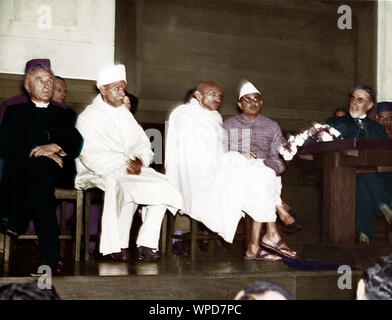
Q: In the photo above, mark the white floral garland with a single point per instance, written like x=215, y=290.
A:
x=319, y=132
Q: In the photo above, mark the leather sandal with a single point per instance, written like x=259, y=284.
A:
x=292, y=227
x=283, y=252
x=262, y=257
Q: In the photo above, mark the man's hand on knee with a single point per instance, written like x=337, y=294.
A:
x=56, y=158
x=46, y=150
x=134, y=166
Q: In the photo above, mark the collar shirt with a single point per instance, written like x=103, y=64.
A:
x=261, y=136
x=40, y=104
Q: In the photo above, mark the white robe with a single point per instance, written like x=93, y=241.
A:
x=217, y=186
x=111, y=137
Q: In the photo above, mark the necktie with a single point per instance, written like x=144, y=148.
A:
x=362, y=125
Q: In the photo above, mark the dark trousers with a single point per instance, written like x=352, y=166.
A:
x=371, y=191
x=35, y=193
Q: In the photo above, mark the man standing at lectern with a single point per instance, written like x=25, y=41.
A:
x=370, y=187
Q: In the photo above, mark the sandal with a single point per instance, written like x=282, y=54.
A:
x=292, y=227
x=262, y=257
x=278, y=250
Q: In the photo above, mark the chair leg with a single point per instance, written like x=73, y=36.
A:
x=87, y=214
x=63, y=215
x=6, y=254
x=63, y=223
x=164, y=234
x=193, y=238
x=170, y=231
x=7, y=249
x=248, y=229
x=2, y=243
x=79, y=224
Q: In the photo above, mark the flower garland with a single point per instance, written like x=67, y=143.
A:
x=317, y=133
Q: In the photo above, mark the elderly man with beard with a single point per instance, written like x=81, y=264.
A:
x=115, y=158
x=218, y=186
x=370, y=188
x=36, y=137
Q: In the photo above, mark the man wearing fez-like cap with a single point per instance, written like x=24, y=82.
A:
x=371, y=194
x=384, y=116
x=36, y=139
x=24, y=97
x=260, y=137
x=115, y=158
x=58, y=99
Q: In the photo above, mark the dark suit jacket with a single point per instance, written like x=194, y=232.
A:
x=349, y=128
x=24, y=127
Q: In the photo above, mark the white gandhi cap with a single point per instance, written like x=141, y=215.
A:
x=111, y=74
x=247, y=88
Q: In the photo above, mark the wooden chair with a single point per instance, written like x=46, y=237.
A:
x=90, y=195
x=97, y=195
x=197, y=234
x=64, y=195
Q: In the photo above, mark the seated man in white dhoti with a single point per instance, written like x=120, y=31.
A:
x=218, y=186
x=115, y=158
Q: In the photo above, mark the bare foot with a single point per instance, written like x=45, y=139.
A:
x=285, y=216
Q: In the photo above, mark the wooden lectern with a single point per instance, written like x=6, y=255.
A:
x=340, y=162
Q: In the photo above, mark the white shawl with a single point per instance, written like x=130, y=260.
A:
x=216, y=186
x=111, y=137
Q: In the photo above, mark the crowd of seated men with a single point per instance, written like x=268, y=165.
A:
x=215, y=179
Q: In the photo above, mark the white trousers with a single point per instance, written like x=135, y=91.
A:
x=122, y=195
x=149, y=233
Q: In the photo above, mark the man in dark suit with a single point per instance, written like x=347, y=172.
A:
x=371, y=189
x=36, y=138
x=58, y=99
x=384, y=117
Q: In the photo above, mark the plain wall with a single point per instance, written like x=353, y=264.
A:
x=293, y=51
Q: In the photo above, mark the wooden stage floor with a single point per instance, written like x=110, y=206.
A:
x=212, y=276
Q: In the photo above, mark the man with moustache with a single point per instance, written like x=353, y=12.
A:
x=258, y=136
x=115, y=158
x=36, y=138
x=370, y=188
x=384, y=116
x=218, y=186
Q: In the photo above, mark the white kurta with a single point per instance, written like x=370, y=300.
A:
x=217, y=186
x=111, y=137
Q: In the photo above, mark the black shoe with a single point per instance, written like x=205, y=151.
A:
x=58, y=269
x=121, y=256
x=179, y=249
x=203, y=245
x=219, y=246
x=147, y=254
x=6, y=228
x=55, y=270
x=387, y=211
